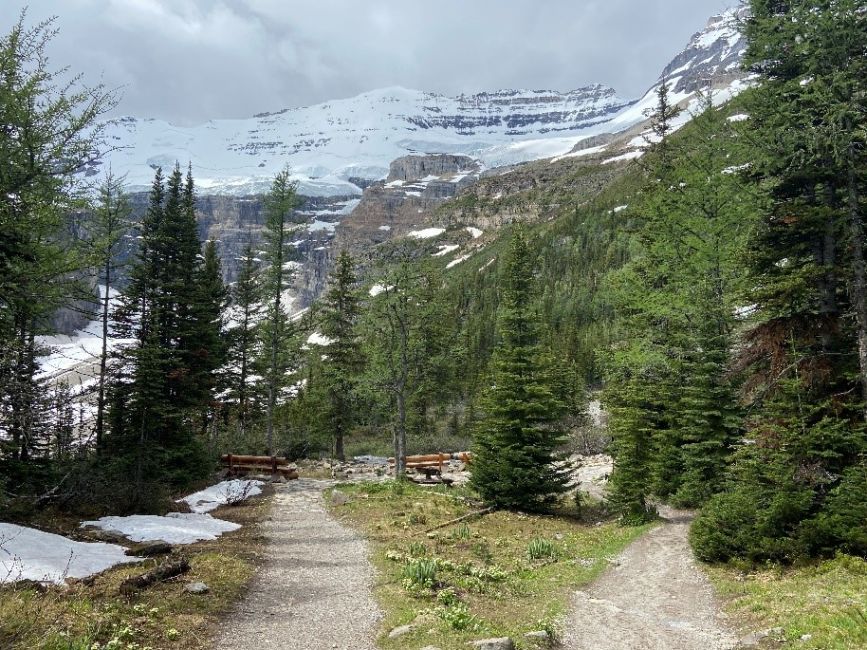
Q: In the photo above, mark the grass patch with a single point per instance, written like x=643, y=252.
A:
x=824, y=603
x=504, y=574
x=90, y=615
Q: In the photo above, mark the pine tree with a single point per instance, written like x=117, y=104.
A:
x=245, y=313
x=109, y=223
x=49, y=130
x=280, y=204
x=804, y=356
x=157, y=397
x=516, y=461
x=206, y=347
x=341, y=371
x=400, y=345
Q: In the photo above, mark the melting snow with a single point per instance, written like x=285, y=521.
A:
x=174, y=528
x=445, y=250
x=317, y=339
x=427, y=233
x=462, y=258
x=221, y=494
x=740, y=117
x=29, y=554
x=631, y=155
x=474, y=232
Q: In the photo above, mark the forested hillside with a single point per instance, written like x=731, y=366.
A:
x=711, y=293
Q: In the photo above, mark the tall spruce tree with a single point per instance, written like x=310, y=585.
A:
x=242, y=339
x=276, y=329
x=159, y=392
x=109, y=223
x=340, y=373
x=516, y=463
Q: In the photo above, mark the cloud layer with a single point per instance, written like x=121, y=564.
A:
x=193, y=60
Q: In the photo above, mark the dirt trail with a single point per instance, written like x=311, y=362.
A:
x=654, y=597
x=314, y=590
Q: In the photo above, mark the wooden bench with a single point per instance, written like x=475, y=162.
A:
x=430, y=464
x=238, y=465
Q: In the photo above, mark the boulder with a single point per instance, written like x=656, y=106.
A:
x=504, y=643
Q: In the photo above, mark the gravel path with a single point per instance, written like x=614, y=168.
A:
x=314, y=591
x=655, y=597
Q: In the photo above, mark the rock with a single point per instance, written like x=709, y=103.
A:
x=400, y=631
x=504, y=643
x=806, y=637
x=430, y=647
x=540, y=636
x=197, y=588
x=339, y=499
x=754, y=639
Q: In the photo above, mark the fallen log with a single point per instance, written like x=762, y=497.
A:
x=471, y=515
x=163, y=572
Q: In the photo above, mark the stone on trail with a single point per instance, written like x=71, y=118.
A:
x=540, y=636
x=197, y=588
x=400, y=631
x=504, y=643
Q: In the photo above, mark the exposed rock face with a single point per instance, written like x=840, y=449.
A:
x=413, y=168
x=415, y=187
x=712, y=57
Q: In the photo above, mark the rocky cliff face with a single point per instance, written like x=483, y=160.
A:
x=415, y=186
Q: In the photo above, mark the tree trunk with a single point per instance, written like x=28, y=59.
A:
x=859, y=284
x=103, y=362
x=400, y=436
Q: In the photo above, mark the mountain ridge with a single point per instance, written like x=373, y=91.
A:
x=335, y=147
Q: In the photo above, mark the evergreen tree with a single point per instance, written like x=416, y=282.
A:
x=207, y=344
x=516, y=461
x=400, y=346
x=109, y=223
x=804, y=356
x=49, y=130
x=242, y=339
x=157, y=397
x=341, y=371
x=280, y=204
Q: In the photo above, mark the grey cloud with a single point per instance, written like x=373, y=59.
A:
x=193, y=60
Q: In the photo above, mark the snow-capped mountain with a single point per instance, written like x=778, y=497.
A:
x=337, y=147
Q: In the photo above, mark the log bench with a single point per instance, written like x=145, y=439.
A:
x=238, y=465
x=432, y=464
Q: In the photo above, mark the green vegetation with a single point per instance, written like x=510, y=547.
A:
x=819, y=606
x=90, y=615
x=516, y=463
x=476, y=578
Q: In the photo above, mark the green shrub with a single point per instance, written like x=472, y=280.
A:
x=419, y=574
x=541, y=549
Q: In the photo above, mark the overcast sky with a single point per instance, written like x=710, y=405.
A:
x=192, y=60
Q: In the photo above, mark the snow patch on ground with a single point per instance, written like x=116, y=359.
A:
x=30, y=554
x=427, y=233
x=445, y=250
x=474, y=232
x=221, y=494
x=630, y=155
x=174, y=528
x=462, y=258
x=318, y=339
